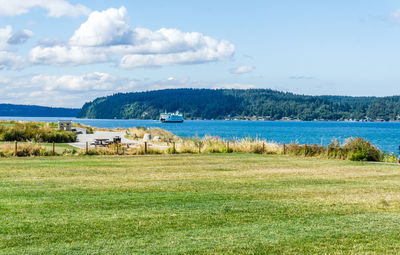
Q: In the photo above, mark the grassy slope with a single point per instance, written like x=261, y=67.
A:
x=197, y=204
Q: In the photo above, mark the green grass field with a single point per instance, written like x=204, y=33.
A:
x=197, y=204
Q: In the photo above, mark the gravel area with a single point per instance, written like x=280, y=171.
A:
x=90, y=138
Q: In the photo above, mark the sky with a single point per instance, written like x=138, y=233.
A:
x=64, y=52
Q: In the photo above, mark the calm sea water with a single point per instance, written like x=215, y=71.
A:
x=385, y=135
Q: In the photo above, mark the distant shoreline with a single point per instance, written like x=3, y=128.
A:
x=230, y=120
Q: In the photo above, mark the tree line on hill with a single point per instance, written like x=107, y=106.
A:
x=36, y=111
x=240, y=104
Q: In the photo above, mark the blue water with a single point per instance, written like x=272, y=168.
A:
x=385, y=135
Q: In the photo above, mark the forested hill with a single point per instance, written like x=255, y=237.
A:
x=36, y=111
x=240, y=104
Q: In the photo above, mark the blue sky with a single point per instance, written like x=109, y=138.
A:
x=65, y=53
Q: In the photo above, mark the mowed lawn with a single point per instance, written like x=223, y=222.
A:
x=197, y=204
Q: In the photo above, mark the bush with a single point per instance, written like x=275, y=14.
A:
x=213, y=150
x=154, y=151
x=389, y=157
x=69, y=152
x=355, y=149
x=315, y=150
x=296, y=149
x=362, y=150
x=187, y=150
x=171, y=150
x=98, y=151
x=35, y=132
x=226, y=150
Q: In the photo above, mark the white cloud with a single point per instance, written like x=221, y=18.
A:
x=233, y=86
x=8, y=59
x=92, y=81
x=206, y=51
x=188, y=57
x=5, y=35
x=20, y=37
x=395, y=14
x=107, y=36
x=64, y=55
x=109, y=27
x=166, y=40
x=301, y=77
x=242, y=69
x=55, y=8
x=174, y=83
x=63, y=91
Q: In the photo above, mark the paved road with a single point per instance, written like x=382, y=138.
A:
x=90, y=138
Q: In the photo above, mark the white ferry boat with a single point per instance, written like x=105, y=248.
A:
x=171, y=117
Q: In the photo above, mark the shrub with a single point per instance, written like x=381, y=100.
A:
x=295, y=149
x=226, y=150
x=257, y=148
x=171, y=150
x=389, y=157
x=355, y=149
x=72, y=151
x=89, y=130
x=315, y=150
x=98, y=151
x=35, y=132
x=362, y=150
x=187, y=150
x=154, y=151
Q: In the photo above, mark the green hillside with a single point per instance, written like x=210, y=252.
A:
x=240, y=104
x=36, y=111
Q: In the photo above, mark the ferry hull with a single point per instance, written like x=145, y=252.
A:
x=171, y=121
x=171, y=118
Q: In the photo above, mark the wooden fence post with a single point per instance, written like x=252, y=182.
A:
x=87, y=147
x=54, y=149
x=263, y=148
x=227, y=147
x=173, y=148
x=15, y=148
x=284, y=149
x=145, y=147
x=305, y=150
x=117, y=148
x=199, y=148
